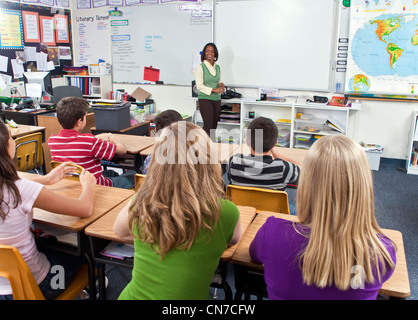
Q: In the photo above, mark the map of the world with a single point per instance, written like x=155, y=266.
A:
x=383, y=55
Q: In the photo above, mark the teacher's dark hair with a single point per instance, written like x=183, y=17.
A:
x=202, y=55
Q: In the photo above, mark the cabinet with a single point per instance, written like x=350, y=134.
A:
x=412, y=161
x=95, y=87
x=299, y=124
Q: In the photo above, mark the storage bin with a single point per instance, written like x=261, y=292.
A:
x=283, y=137
x=303, y=141
x=113, y=117
x=309, y=125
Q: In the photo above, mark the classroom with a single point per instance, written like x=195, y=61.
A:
x=318, y=69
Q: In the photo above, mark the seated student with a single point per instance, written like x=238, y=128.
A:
x=86, y=149
x=17, y=199
x=337, y=237
x=164, y=119
x=264, y=167
x=179, y=219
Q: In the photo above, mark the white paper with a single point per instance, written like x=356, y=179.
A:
x=62, y=29
x=3, y=63
x=17, y=69
x=48, y=30
x=30, y=53
x=50, y=66
x=3, y=84
x=41, y=61
x=32, y=32
x=63, y=3
x=33, y=90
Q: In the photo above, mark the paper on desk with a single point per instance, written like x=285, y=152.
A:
x=33, y=90
x=118, y=250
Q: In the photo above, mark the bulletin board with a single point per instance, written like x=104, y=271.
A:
x=39, y=28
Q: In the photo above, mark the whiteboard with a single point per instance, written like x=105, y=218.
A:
x=276, y=43
x=164, y=36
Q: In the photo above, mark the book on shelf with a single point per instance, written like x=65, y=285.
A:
x=335, y=124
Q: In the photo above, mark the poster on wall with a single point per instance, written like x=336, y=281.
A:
x=383, y=38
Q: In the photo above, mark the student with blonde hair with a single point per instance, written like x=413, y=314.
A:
x=180, y=222
x=337, y=251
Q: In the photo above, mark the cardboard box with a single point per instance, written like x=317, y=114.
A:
x=140, y=94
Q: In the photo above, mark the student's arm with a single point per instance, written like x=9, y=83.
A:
x=81, y=207
x=121, y=224
x=120, y=147
x=108, y=137
x=276, y=155
x=56, y=174
x=237, y=233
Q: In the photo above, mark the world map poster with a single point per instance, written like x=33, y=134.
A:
x=383, y=54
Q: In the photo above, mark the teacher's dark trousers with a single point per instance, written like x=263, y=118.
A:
x=210, y=111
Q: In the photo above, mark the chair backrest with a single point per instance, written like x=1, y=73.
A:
x=75, y=177
x=139, y=179
x=29, y=153
x=65, y=91
x=259, y=198
x=14, y=268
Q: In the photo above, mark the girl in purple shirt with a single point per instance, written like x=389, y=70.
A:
x=337, y=251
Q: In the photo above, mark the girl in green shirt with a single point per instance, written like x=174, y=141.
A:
x=179, y=220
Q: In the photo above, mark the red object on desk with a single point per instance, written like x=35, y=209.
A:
x=151, y=74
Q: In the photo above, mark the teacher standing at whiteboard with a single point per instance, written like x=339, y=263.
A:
x=208, y=82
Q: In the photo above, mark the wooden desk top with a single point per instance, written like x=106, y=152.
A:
x=397, y=285
x=297, y=155
x=135, y=144
x=103, y=227
x=24, y=129
x=224, y=151
x=247, y=215
x=105, y=199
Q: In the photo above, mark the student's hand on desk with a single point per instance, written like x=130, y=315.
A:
x=87, y=179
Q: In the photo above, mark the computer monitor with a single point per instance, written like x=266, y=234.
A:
x=42, y=78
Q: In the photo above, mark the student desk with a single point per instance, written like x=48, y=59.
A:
x=105, y=199
x=397, y=286
x=294, y=155
x=223, y=152
x=29, y=118
x=134, y=145
x=24, y=130
x=102, y=229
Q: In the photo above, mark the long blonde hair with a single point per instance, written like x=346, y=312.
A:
x=335, y=200
x=180, y=194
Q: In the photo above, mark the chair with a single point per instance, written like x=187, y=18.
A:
x=14, y=268
x=76, y=177
x=65, y=91
x=29, y=154
x=259, y=198
x=139, y=180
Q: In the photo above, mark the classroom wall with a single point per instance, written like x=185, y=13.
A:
x=380, y=122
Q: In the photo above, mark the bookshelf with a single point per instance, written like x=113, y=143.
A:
x=294, y=132
x=95, y=87
x=412, y=161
